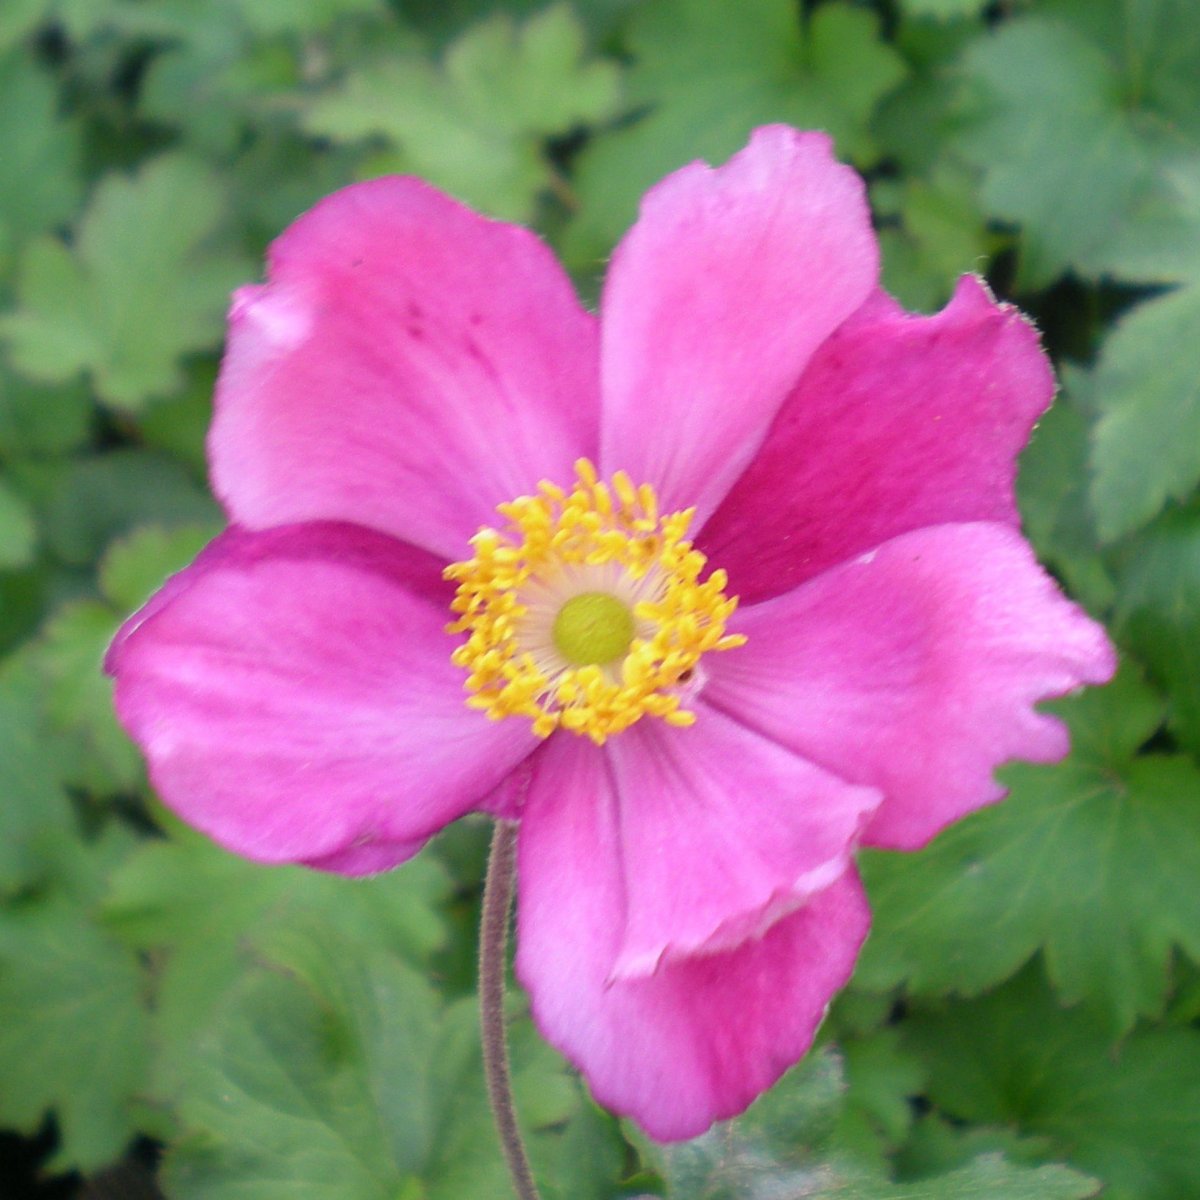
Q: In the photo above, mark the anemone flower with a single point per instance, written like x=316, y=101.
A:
x=704, y=591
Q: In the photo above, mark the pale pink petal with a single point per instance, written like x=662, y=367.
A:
x=714, y=302
x=294, y=696
x=914, y=669
x=899, y=422
x=408, y=366
x=699, y=1039
x=721, y=833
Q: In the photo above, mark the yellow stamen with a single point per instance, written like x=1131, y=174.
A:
x=559, y=548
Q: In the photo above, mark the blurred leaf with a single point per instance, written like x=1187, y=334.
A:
x=18, y=532
x=709, y=71
x=137, y=565
x=944, y=9
x=990, y=1177
x=1070, y=128
x=1160, y=242
x=1147, y=440
x=476, y=125
x=177, y=425
x=1158, y=613
x=915, y=122
x=938, y=236
x=18, y=17
x=73, y=1033
x=69, y=653
x=38, y=420
x=334, y=1074
x=301, y=16
x=939, y=1144
x=883, y=1078
x=1125, y=1114
x=1052, y=491
x=33, y=807
x=201, y=912
x=99, y=498
x=78, y=698
x=208, y=89
x=227, y=72
x=779, y=1149
x=142, y=286
x=39, y=182
x=1094, y=861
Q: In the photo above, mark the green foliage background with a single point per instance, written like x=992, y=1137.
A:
x=1024, y=1022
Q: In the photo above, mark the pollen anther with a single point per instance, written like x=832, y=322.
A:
x=560, y=547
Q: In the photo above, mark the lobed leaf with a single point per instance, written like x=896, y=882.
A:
x=1147, y=438
x=1092, y=861
x=138, y=290
x=1016, y=1058
x=706, y=72
x=476, y=125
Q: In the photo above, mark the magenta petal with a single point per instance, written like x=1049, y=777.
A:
x=721, y=833
x=899, y=422
x=368, y=858
x=701, y=1037
x=293, y=694
x=914, y=669
x=714, y=302
x=408, y=366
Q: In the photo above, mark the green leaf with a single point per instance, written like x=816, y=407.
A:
x=136, y=566
x=990, y=1177
x=301, y=16
x=73, y=1032
x=336, y=1074
x=944, y=9
x=1093, y=861
x=17, y=18
x=142, y=286
x=98, y=498
x=1158, y=613
x=781, y=1148
x=177, y=425
x=33, y=807
x=78, y=698
x=39, y=185
x=1052, y=492
x=477, y=124
x=1070, y=130
x=1147, y=439
x=201, y=912
x=18, y=530
x=69, y=655
x=882, y=1079
x=1126, y=1114
x=41, y=420
x=937, y=236
x=1160, y=243
x=710, y=71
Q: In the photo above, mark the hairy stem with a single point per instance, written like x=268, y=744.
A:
x=493, y=945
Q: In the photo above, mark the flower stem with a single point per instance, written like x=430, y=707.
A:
x=493, y=945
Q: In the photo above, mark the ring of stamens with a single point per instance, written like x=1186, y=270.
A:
x=603, y=550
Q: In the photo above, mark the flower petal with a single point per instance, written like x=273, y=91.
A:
x=293, y=693
x=722, y=833
x=408, y=366
x=900, y=422
x=714, y=302
x=701, y=1037
x=914, y=669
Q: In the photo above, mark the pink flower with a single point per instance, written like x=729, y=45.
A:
x=691, y=778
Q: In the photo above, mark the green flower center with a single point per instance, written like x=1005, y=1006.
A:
x=593, y=628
